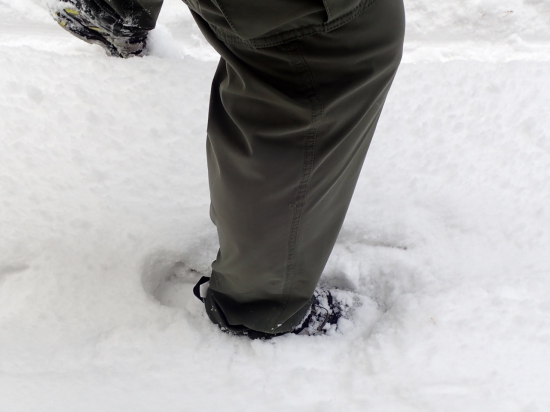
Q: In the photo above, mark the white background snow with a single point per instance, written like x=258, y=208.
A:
x=104, y=212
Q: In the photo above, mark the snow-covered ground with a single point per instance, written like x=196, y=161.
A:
x=104, y=212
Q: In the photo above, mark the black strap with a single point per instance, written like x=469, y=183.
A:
x=197, y=288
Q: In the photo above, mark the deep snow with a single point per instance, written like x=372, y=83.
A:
x=104, y=226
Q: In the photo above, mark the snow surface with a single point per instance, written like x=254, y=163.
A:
x=104, y=226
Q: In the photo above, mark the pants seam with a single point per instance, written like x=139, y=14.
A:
x=303, y=70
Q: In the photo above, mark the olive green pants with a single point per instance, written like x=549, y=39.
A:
x=294, y=105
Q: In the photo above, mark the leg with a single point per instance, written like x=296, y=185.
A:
x=289, y=128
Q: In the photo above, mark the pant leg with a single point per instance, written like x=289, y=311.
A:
x=289, y=128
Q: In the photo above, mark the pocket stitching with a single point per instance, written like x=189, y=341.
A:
x=264, y=41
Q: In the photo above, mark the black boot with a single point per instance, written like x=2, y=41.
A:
x=94, y=21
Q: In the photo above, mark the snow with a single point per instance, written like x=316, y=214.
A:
x=104, y=228
x=489, y=30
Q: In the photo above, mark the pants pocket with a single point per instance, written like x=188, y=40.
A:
x=255, y=18
x=338, y=8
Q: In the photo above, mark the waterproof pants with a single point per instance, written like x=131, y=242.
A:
x=294, y=105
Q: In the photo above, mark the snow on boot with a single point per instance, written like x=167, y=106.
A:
x=95, y=22
x=327, y=307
